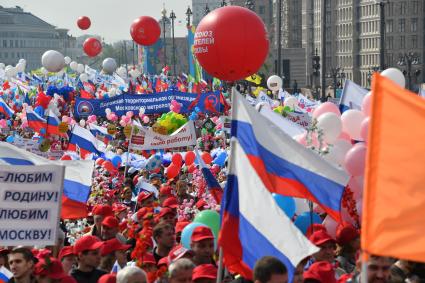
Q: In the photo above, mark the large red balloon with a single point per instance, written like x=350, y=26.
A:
x=231, y=43
x=92, y=47
x=206, y=157
x=172, y=171
x=83, y=22
x=189, y=158
x=177, y=159
x=145, y=30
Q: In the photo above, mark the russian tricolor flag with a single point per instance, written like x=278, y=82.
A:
x=101, y=131
x=5, y=109
x=213, y=186
x=77, y=182
x=35, y=121
x=84, y=141
x=53, y=124
x=284, y=166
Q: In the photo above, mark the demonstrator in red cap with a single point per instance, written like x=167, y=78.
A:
x=202, y=245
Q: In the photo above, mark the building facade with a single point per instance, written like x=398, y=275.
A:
x=23, y=35
x=199, y=7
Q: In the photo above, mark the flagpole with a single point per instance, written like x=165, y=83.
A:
x=220, y=266
x=128, y=151
x=365, y=264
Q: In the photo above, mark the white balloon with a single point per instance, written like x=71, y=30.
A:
x=67, y=60
x=20, y=67
x=80, y=68
x=10, y=71
x=301, y=205
x=53, y=61
x=2, y=66
x=331, y=125
x=109, y=65
x=141, y=111
x=23, y=61
x=84, y=78
x=73, y=65
x=108, y=110
x=291, y=101
x=121, y=72
x=274, y=83
x=337, y=152
x=82, y=122
x=352, y=123
x=395, y=75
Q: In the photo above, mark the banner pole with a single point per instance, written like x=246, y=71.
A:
x=220, y=266
x=365, y=264
x=128, y=151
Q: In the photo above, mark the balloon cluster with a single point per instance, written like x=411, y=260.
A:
x=111, y=116
x=175, y=106
x=126, y=119
x=169, y=122
x=194, y=115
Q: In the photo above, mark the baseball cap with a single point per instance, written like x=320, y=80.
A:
x=322, y=271
x=101, y=209
x=165, y=211
x=177, y=252
x=143, y=213
x=108, y=278
x=208, y=271
x=201, y=233
x=345, y=233
x=170, y=202
x=66, y=251
x=148, y=258
x=153, y=176
x=320, y=237
x=315, y=227
x=166, y=190
x=113, y=245
x=118, y=207
x=110, y=222
x=50, y=267
x=87, y=243
x=163, y=261
x=144, y=195
x=180, y=226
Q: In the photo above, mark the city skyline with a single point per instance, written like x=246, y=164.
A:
x=124, y=12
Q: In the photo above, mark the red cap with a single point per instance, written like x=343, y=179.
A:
x=66, y=251
x=180, y=226
x=165, y=211
x=320, y=237
x=207, y=271
x=108, y=278
x=163, y=261
x=200, y=203
x=118, y=207
x=170, y=202
x=148, y=258
x=166, y=190
x=322, y=271
x=345, y=233
x=315, y=227
x=50, y=267
x=110, y=222
x=87, y=243
x=144, y=195
x=104, y=210
x=201, y=233
x=177, y=252
x=113, y=245
x=143, y=213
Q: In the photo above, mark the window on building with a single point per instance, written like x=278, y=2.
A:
x=415, y=7
x=6, y=55
x=414, y=41
x=4, y=43
x=11, y=43
x=403, y=8
x=390, y=43
x=390, y=7
x=389, y=26
x=402, y=25
x=261, y=10
x=402, y=42
x=414, y=25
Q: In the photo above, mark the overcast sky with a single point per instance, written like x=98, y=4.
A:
x=111, y=19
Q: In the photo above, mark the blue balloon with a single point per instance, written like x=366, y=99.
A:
x=303, y=221
x=116, y=161
x=220, y=160
x=105, y=96
x=10, y=139
x=287, y=204
x=187, y=233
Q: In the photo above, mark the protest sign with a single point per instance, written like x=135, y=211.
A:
x=302, y=119
x=31, y=198
x=147, y=139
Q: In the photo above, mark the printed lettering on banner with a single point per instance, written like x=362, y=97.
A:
x=184, y=136
x=30, y=198
x=302, y=119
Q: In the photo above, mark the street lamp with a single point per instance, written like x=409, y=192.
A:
x=250, y=4
x=164, y=20
x=316, y=71
x=409, y=59
x=279, y=38
x=337, y=75
x=371, y=72
x=188, y=15
x=223, y=3
x=173, y=17
x=381, y=4
x=207, y=10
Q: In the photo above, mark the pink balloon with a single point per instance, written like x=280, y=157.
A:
x=3, y=123
x=364, y=129
x=24, y=125
x=64, y=118
x=355, y=160
x=367, y=104
x=129, y=114
x=301, y=139
x=344, y=136
x=351, y=122
x=146, y=119
x=122, y=123
x=331, y=226
x=324, y=108
x=356, y=186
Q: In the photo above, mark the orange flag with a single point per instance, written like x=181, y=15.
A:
x=394, y=198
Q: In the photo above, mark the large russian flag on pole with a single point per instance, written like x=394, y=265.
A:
x=283, y=165
x=35, y=121
x=53, y=124
x=5, y=109
x=84, y=140
x=77, y=182
x=101, y=131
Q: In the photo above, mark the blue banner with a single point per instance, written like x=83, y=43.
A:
x=152, y=103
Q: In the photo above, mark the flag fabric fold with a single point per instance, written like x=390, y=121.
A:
x=85, y=142
x=35, y=122
x=53, y=124
x=394, y=195
x=352, y=96
x=77, y=182
x=5, y=109
x=214, y=187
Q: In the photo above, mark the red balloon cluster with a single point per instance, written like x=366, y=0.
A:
x=83, y=22
x=92, y=47
x=145, y=30
x=231, y=43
